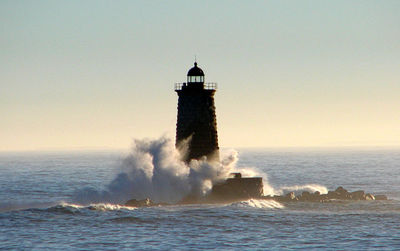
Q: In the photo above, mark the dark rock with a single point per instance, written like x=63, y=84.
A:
x=332, y=195
x=380, y=197
x=287, y=198
x=358, y=195
x=339, y=194
x=343, y=194
x=323, y=197
x=315, y=198
x=305, y=196
x=140, y=203
x=238, y=188
x=341, y=190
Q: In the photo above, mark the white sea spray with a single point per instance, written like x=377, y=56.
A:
x=154, y=169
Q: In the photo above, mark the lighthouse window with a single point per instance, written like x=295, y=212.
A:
x=195, y=79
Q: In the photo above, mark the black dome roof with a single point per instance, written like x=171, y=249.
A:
x=195, y=71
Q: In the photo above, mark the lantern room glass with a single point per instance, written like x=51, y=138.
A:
x=195, y=79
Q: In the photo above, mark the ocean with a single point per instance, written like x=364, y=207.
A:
x=73, y=201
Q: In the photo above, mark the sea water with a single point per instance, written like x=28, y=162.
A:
x=38, y=207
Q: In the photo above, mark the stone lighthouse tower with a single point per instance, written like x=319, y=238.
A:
x=197, y=123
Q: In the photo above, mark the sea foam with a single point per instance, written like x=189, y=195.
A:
x=154, y=169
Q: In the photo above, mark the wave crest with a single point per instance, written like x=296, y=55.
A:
x=255, y=203
x=312, y=188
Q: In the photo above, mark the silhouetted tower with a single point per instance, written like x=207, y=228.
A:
x=196, y=116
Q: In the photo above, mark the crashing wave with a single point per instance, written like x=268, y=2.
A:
x=312, y=188
x=154, y=170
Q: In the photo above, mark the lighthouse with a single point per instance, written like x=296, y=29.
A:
x=196, y=127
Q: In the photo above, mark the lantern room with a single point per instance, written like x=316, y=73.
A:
x=195, y=75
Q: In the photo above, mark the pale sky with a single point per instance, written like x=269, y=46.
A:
x=96, y=74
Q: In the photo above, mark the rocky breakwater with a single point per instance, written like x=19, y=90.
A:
x=340, y=194
x=143, y=203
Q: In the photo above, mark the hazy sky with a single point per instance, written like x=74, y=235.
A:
x=96, y=74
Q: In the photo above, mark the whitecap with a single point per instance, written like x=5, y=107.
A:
x=256, y=203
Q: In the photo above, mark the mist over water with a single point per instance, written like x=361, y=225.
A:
x=153, y=169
